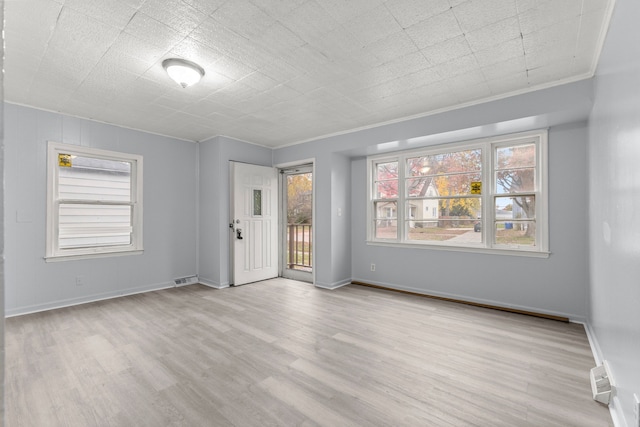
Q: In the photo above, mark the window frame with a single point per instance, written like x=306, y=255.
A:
x=488, y=196
x=53, y=252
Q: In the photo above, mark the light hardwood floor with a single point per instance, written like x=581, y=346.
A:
x=288, y=354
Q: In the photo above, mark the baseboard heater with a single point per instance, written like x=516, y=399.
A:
x=475, y=304
x=183, y=281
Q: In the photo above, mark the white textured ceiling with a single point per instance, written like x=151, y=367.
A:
x=285, y=71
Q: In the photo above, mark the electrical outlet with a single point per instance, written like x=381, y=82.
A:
x=79, y=280
x=373, y=267
x=636, y=410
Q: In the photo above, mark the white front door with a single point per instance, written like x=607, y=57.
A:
x=254, y=219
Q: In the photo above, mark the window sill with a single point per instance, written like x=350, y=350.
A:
x=451, y=248
x=76, y=257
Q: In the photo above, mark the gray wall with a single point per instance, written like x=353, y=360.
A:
x=169, y=213
x=341, y=219
x=614, y=206
x=187, y=190
x=213, y=235
x=557, y=285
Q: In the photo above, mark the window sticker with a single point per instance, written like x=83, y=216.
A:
x=476, y=187
x=64, y=160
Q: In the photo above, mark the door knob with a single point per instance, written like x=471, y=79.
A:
x=239, y=233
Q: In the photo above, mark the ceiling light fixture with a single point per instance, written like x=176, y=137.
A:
x=185, y=73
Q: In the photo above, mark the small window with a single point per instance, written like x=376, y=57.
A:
x=488, y=194
x=386, y=200
x=257, y=202
x=94, y=202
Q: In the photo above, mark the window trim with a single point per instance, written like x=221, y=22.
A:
x=488, y=146
x=53, y=253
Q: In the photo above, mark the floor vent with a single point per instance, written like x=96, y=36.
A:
x=183, y=281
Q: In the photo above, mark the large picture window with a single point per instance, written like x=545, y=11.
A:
x=488, y=194
x=94, y=202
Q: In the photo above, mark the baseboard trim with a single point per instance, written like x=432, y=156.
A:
x=212, y=284
x=617, y=416
x=332, y=286
x=593, y=343
x=466, y=302
x=87, y=299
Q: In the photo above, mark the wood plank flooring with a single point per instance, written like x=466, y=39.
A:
x=283, y=353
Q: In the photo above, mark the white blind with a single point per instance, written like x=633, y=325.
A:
x=95, y=207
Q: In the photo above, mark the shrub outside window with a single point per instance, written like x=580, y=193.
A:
x=94, y=202
x=488, y=194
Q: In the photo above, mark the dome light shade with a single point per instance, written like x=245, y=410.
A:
x=183, y=72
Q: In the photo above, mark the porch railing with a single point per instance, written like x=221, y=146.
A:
x=300, y=246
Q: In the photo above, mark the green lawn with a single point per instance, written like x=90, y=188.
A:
x=436, y=233
x=427, y=233
x=514, y=237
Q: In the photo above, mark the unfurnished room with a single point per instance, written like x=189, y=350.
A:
x=320, y=213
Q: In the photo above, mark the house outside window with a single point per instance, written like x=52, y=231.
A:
x=385, y=179
x=94, y=202
x=485, y=195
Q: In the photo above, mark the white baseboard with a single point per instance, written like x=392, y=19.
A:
x=615, y=409
x=465, y=298
x=213, y=284
x=332, y=286
x=19, y=311
x=593, y=343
